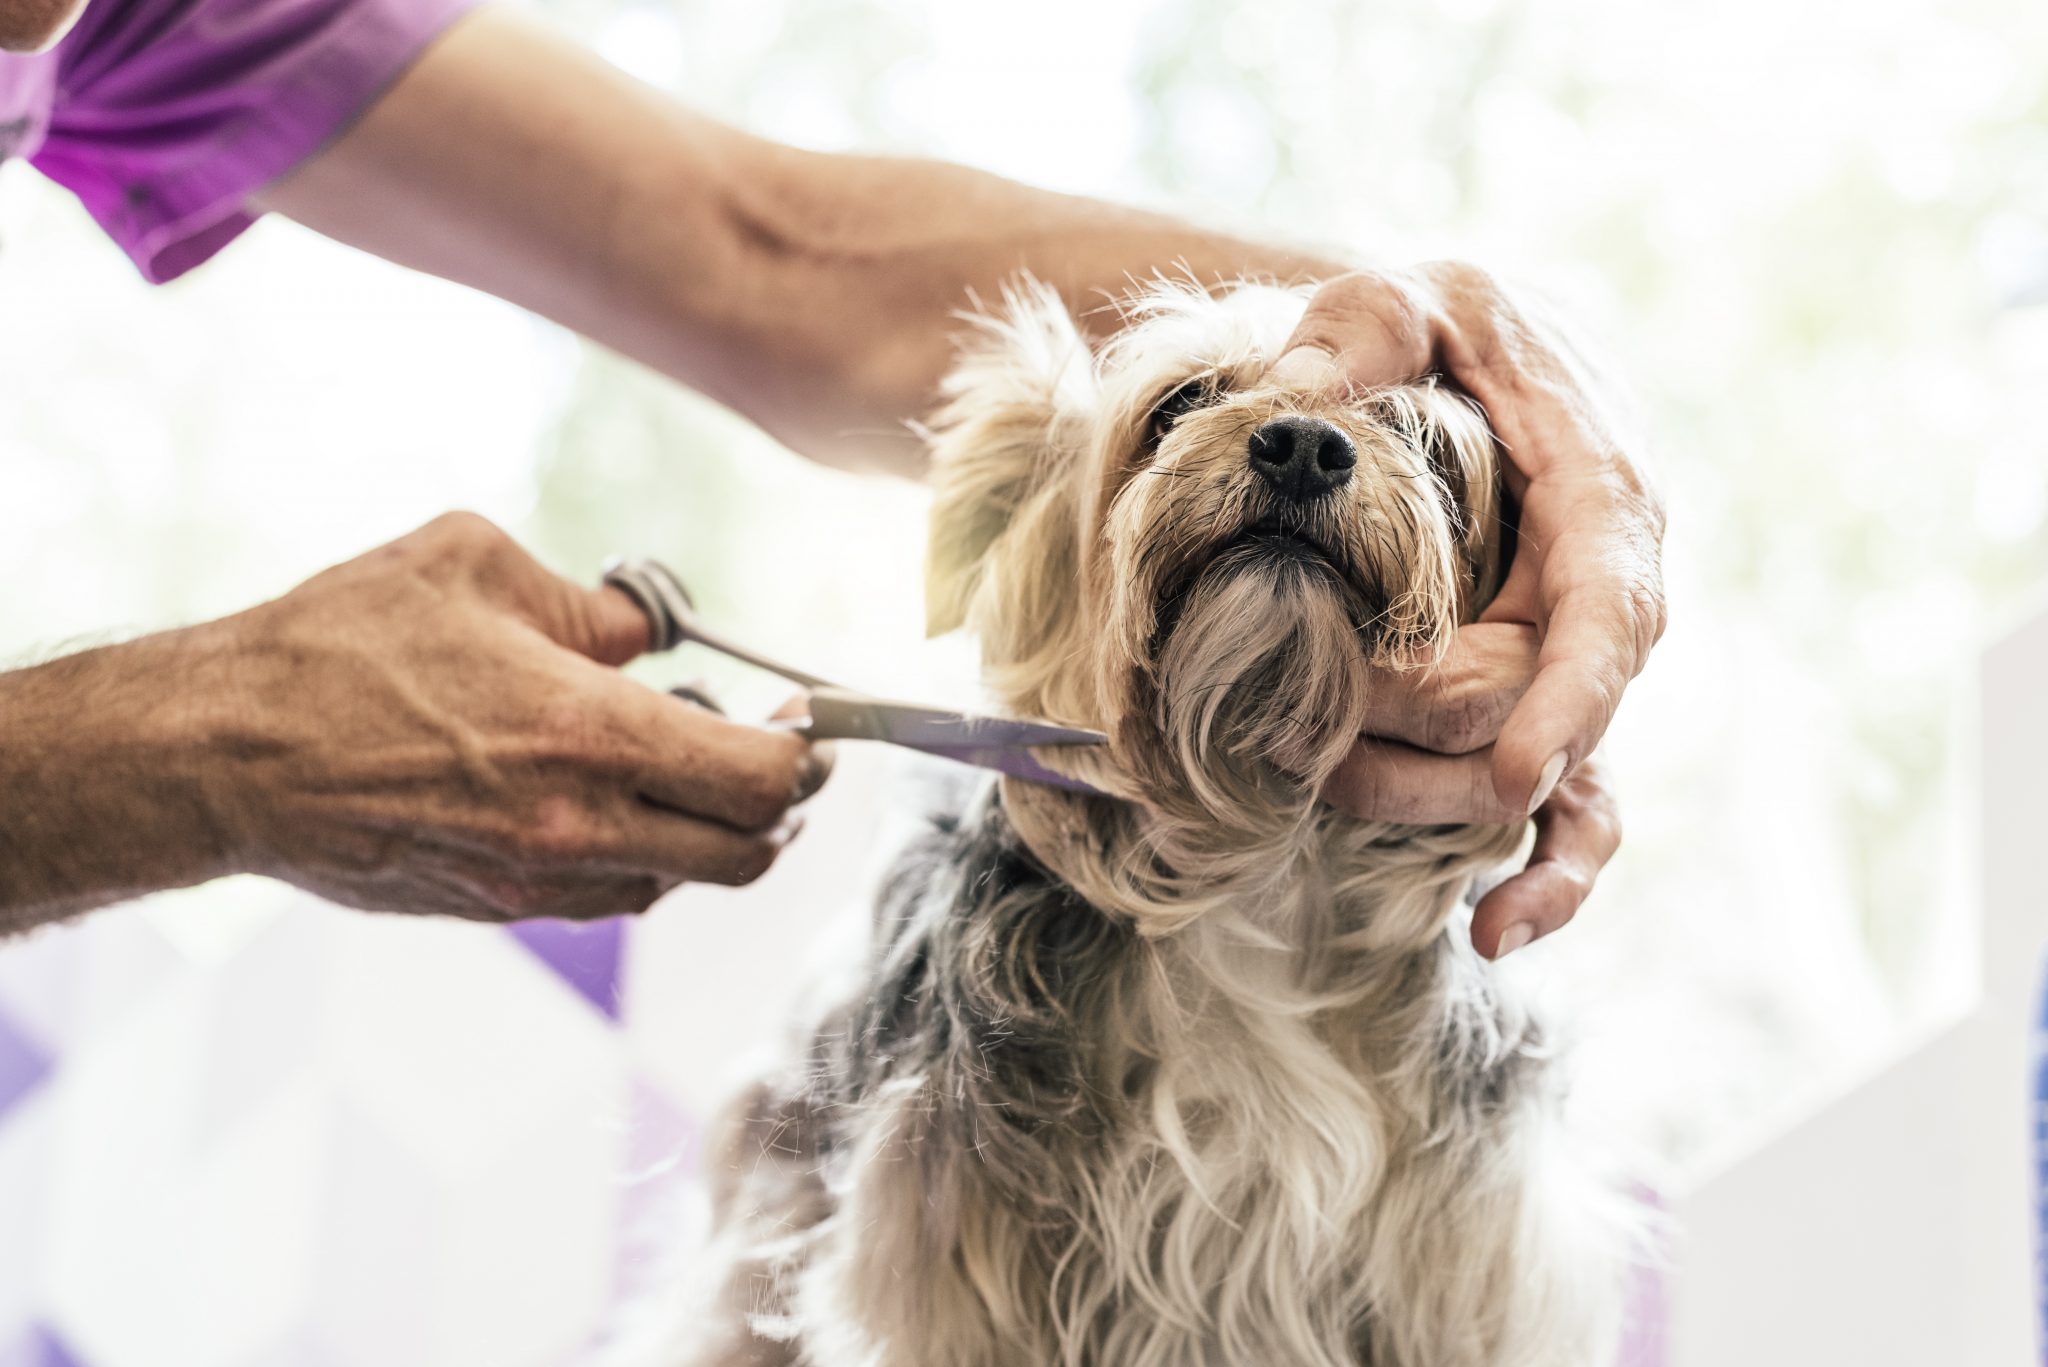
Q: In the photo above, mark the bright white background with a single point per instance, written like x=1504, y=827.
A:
x=1813, y=238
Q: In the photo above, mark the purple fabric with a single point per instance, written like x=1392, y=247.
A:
x=23, y=1063
x=165, y=116
x=584, y=954
x=40, y=1348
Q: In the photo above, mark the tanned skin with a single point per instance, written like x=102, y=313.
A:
x=411, y=747
x=33, y=25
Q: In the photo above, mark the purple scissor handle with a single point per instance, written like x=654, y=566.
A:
x=837, y=713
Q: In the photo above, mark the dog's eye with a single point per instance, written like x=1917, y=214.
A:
x=1196, y=393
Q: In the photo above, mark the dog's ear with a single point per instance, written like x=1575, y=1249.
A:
x=1024, y=374
x=1452, y=431
x=1467, y=459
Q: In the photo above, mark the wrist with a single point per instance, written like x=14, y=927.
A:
x=189, y=742
x=109, y=776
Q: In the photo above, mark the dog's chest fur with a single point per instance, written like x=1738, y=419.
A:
x=1189, y=1070
x=1036, y=1136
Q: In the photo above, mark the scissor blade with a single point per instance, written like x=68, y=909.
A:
x=841, y=714
x=1018, y=763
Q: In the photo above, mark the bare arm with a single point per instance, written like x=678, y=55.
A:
x=813, y=293
x=103, y=790
x=431, y=727
x=816, y=294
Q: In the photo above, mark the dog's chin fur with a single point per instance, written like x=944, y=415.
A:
x=1262, y=680
x=1196, y=1070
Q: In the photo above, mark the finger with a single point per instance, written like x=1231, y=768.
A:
x=601, y=624
x=1367, y=329
x=1382, y=780
x=1458, y=705
x=480, y=885
x=1577, y=833
x=1596, y=640
x=696, y=762
x=592, y=896
x=698, y=694
x=824, y=753
x=687, y=849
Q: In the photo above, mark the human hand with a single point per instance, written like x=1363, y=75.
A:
x=437, y=726
x=1506, y=728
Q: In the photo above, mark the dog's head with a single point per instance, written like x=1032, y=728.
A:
x=1161, y=540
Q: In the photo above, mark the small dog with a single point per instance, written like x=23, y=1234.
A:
x=1199, y=1072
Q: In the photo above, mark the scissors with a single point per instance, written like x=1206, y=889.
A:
x=839, y=713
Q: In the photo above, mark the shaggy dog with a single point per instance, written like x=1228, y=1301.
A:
x=1196, y=1072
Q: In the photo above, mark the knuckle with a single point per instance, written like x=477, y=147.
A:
x=1463, y=720
x=1483, y=801
x=1610, y=680
x=1576, y=884
x=746, y=864
x=461, y=528
x=559, y=833
x=763, y=795
x=770, y=787
x=370, y=851
x=564, y=731
x=1347, y=293
x=1467, y=277
x=1361, y=295
x=501, y=896
x=1599, y=810
x=1651, y=611
x=1394, y=301
x=1359, y=785
x=465, y=538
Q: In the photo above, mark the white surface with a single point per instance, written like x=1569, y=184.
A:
x=1891, y=1229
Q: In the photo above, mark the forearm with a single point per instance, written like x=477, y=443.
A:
x=836, y=307
x=433, y=727
x=103, y=777
x=817, y=294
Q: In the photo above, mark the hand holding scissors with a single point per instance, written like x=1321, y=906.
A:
x=839, y=713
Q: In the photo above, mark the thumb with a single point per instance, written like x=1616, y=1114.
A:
x=614, y=627
x=602, y=624
x=1366, y=329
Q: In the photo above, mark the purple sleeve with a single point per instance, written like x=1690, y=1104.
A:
x=169, y=114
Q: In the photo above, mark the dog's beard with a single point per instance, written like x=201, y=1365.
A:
x=1262, y=677
x=1240, y=679
x=1226, y=629
x=1233, y=684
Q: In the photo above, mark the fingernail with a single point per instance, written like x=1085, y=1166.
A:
x=1306, y=367
x=786, y=829
x=810, y=776
x=1546, y=782
x=1512, y=939
x=698, y=692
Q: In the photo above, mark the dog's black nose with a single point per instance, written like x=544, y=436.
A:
x=1302, y=458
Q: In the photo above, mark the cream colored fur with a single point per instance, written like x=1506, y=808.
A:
x=1200, y=1072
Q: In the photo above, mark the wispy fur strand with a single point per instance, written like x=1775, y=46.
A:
x=1201, y=1072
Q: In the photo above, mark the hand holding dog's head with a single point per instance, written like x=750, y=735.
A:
x=1164, y=541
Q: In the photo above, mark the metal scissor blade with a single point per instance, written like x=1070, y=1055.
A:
x=842, y=714
x=1017, y=763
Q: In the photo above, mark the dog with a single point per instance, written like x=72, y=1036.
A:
x=1191, y=1071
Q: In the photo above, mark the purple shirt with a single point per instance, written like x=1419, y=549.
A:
x=165, y=116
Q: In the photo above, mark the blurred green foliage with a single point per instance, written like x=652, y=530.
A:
x=1812, y=240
